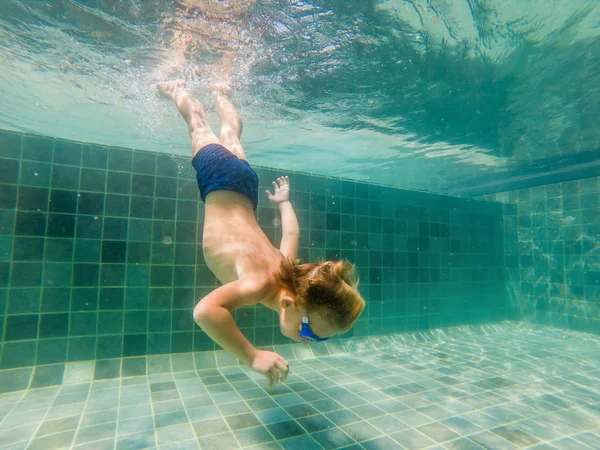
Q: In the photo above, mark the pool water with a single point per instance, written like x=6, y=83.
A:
x=448, y=149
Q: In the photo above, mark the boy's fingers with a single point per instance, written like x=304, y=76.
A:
x=274, y=376
x=284, y=370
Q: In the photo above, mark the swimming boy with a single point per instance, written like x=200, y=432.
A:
x=314, y=301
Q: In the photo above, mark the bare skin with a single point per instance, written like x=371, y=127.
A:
x=236, y=249
x=234, y=245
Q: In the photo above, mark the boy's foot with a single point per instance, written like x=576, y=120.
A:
x=170, y=89
x=221, y=88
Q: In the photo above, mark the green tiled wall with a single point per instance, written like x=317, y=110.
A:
x=100, y=255
x=552, y=253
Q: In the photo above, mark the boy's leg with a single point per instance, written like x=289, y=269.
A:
x=231, y=123
x=193, y=113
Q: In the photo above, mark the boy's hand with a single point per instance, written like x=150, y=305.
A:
x=272, y=366
x=282, y=191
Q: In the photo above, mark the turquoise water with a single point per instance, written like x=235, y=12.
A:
x=449, y=149
x=434, y=95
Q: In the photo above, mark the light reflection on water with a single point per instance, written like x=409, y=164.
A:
x=421, y=95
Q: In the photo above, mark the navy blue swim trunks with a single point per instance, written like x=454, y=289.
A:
x=217, y=169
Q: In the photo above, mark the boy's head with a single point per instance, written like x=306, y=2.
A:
x=323, y=294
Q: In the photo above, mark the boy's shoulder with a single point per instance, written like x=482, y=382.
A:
x=264, y=289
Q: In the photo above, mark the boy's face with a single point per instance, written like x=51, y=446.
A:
x=290, y=320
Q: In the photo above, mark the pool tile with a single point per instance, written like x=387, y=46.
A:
x=253, y=436
x=274, y=415
x=568, y=443
x=368, y=411
x=175, y=433
x=380, y=443
x=413, y=418
x=435, y=412
x=211, y=426
x=312, y=395
x=461, y=425
x=438, y=432
x=504, y=414
x=169, y=406
x=482, y=419
x=105, y=444
x=233, y=408
x=24, y=419
x=197, y=402
x=304, y=442
x=590, y=439
x=225, y=441
x=132, y=426
x=241, y=421
x=412, y=439
x=537, y=430
x=95, y=433
x=342, y=417
x=388, y=424
x=361, y=431
x=316, y=423
x=226, y=397
x=98, y=418
x=60, y=411
x=20, y=446
x=191, y=444
x=391, y=406
x=462, y=444
x=168, y=419
x=288, y=399
x=131, y=412
x=204, y=413
x=284, y=430
x=301, y=410
x=58, y=425
x=333, y=438
x=260, y=404
x=490, y=440
x=17, y=434
x=58, y=440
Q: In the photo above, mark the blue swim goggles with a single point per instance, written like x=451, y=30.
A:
x=307, y=332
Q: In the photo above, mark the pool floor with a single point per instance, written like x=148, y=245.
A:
x=515, y=387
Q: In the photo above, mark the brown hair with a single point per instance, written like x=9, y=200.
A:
x=326, y=287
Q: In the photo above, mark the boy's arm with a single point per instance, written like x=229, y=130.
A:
x=213, y=315
x=290, y=230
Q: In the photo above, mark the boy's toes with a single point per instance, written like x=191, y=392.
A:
x=168, y=88
x=221, y=88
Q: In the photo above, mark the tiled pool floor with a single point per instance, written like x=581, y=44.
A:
x=527, y=388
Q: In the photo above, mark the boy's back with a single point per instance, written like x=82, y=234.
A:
x=234, y=245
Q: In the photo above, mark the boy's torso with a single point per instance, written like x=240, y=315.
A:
x=234, y=246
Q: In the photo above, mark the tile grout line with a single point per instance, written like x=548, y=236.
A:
x=42, y=421
x=83, y=413
x=187, y=415
x=154, y=428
